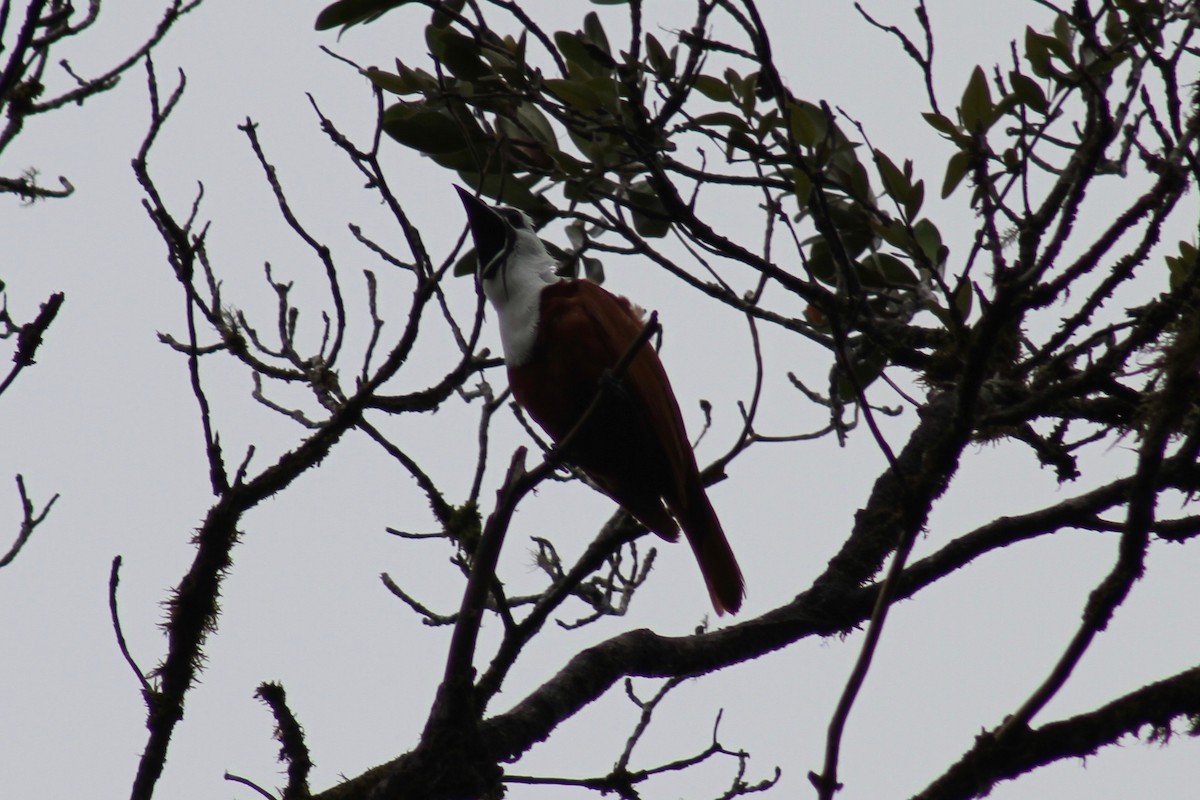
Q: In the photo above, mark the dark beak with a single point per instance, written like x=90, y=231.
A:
x=492, y=235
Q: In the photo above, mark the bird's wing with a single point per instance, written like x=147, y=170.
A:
x=619, y=326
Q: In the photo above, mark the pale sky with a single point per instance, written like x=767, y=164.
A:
x=107, y=419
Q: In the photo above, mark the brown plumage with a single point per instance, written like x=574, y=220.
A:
x=634, y=446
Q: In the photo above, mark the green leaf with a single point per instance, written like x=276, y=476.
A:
x=976, y=105
x=446, y=12
x=580, y=63
x=723, y=118
x=602, y=149
x=956, y=170
x=1037, y=53
x=935, y=308
x=459, y=53
x=1114, y=28
x=423, y=129
x=661, y=63
x=866, y=364
x=467, y=264
x=899, y=184
x=714, y=88
x=962, y=300
x=1040, y=50
x=803, y=187
x=1063, y=32
x=1007, y=103
x=575, y=93
x=1145, y=20
x=508, y=60
x=1028, y=93
x=569, y=166
x=589, y=188
x=1060, y=46
x=465, y=160
x=1101, y=66
x=820, y=262
x=389, y=82
x=855, y=174
x=523, y=144
x=893, y=179
x=916, y=199
x=808, y=123
x=649, y=215
x=895, y=233
x=747, y=90
x=929, y=239
x=742, y=89
x=347, y=13
x=1181, y=267
x=593, y=269
x=943, y=124
x=964, y=297
x=595, y=32
x=853, y=226
x=535, y=123
x=768, y=122
x=740, y=140
x=403, y=81
x=576, y=234
x=886, y=271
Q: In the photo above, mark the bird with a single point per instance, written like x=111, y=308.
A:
x=562, y=338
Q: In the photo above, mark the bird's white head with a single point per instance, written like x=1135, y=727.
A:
x=514, y=267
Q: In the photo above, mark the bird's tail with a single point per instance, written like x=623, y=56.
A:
x=717, y=563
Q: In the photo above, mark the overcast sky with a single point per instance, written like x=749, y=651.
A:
x=107, y=419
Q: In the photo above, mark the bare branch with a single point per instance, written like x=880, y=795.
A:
x=293, y=749
x=30, y=519
x=1022, y=750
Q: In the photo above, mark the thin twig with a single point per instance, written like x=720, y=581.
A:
x=114, y=579
x=29, y=521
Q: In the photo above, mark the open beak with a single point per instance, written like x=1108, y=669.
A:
x=491, y=233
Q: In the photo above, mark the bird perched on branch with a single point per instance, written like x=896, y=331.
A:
x=562, y=339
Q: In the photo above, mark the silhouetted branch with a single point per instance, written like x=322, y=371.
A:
x=47, y=27
x=29, y=336
x=30, y=519
x=1021, y=750
x=293, y=750
x=114, y=579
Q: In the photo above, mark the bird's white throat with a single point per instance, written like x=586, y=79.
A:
x=515, y=290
